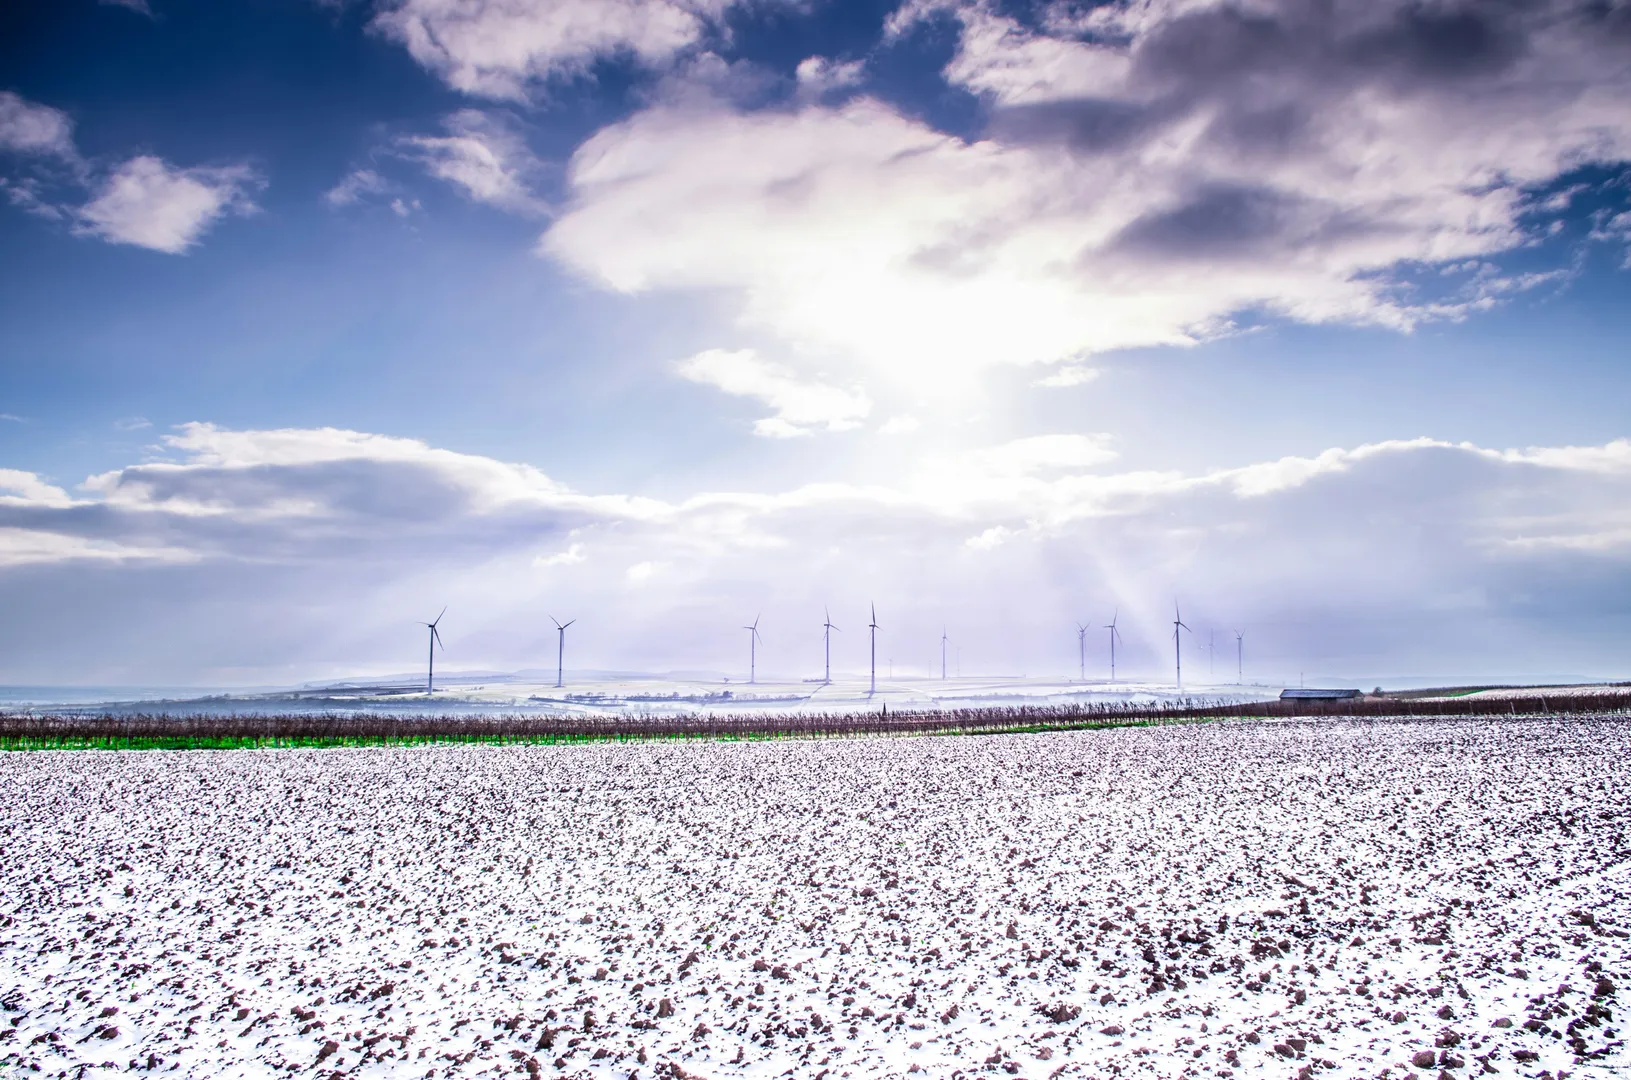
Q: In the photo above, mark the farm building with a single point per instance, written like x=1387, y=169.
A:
x=1312, y=694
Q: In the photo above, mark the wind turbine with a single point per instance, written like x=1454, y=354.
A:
x=435, y=640
x=1114, y=634
x=1211, y=665
x=826, y=638
x=942, y=654
x=560, y=652
x=873, y=626
x=753, y=649
x=1177, y=643
x=1240, y=658
x=1081, y=650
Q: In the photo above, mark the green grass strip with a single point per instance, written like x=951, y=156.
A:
x=68, y=741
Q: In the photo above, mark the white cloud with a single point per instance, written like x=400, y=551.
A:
x=152, y=204
x=1069, y=375
x=818, y=76
x=1143, y=190
x=997, y=57
x=484, y=158
x=994, y=537
x=573, y=554
x=801, y=406
x=354, y=186
x=307, y=526
x=146, y=201
x=30, y=128
x=498, y=48
x=25, y=488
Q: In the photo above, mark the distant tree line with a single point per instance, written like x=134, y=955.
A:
x=26, y=729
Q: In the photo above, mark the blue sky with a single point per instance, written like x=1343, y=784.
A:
x=661, y=313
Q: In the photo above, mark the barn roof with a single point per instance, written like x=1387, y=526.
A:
x=1313, y=694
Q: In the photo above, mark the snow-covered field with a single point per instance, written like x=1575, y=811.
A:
x=1316, y=899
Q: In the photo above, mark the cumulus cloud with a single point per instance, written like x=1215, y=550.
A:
x=801, y=406
x=498, y=48
x=818, y=76
x=1529, y=545
x=146, y=201
x=149, y=203
x=483, y=157
x=25, y=488
x=30, y=128
x=1148, y=172
x=318, y=475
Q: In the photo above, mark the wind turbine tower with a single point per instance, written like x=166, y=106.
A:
x=1081, y=651
x=1177, y=643
x=1240, y=658
x=873, y=626
x=1114, y=634
x=435, y=641
x=942, y=654
x=560, y=648
x=826, y=638
x=753, y=649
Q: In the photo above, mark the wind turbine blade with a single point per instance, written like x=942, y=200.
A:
x=569, y=622
x=439, y=617
x=438, y=638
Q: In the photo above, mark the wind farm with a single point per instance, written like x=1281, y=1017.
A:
x=839, y=685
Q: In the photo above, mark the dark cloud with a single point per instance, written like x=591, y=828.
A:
x=1220, y=220
x=1085, y=125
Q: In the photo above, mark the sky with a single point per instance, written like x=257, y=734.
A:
x=1307, y=316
